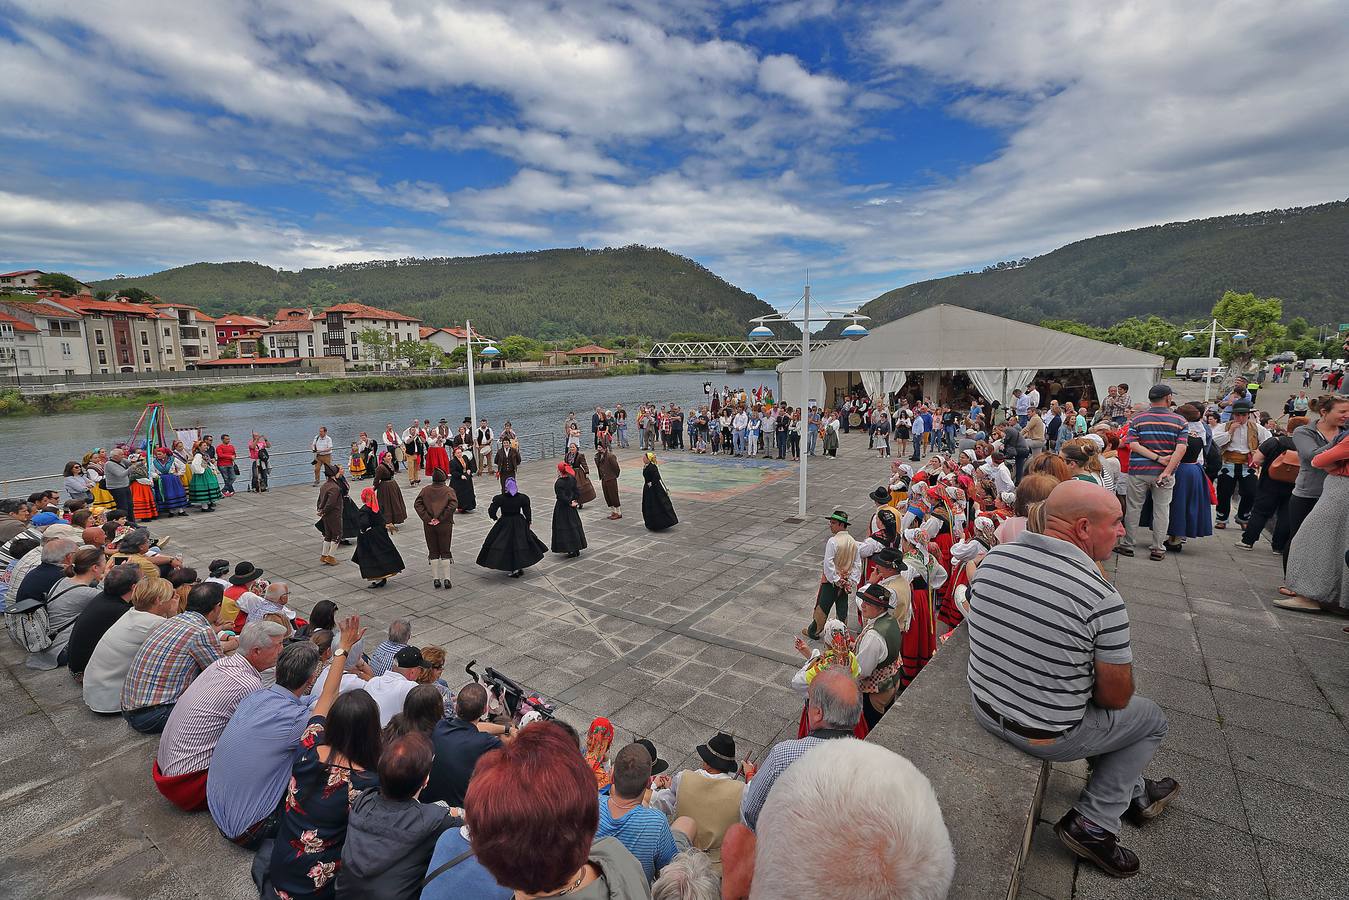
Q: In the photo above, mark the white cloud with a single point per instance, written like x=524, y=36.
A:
x=422, y=196
x=784, y=75
x=540, y=149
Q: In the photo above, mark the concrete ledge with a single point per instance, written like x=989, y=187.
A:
x=990, y=792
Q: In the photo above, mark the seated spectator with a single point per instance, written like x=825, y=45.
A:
x=16, y=517
x=422, y=709
x=10, y=554
x=183, y=581
x=273, y=600
x=390, y=834
x=252, y=762
x=132, y=549
x=338, y=759
x=434, y=674
x=833, y=703
x=25, y=564
x=1051, y=671
x=391, y=688
x=232, y=611
x=710, y=795
x=105, y=676
x=400, y=632
x=200, y=715
x=644, y=831
x=174, y=654
x=322, y=638
x=458, y=744
x=66, y=600
x=689, y=876
x=454, y=872
x=542, y=844
x=53, y=556
x=106, y=608
x=863, y=816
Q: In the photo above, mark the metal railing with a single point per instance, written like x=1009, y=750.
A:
x=730, y=349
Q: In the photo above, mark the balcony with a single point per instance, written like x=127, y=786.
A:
x=189, y=333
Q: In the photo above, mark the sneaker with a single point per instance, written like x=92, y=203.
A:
x=1096, y=845
x=1242, y=545
x=1124, y=551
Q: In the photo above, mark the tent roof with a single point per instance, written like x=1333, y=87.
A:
x=950, y=338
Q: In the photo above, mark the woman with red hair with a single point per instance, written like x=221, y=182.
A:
x=568, y=535
x=541, y=843
x=375, y=553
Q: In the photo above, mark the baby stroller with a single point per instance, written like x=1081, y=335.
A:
x=507, y=699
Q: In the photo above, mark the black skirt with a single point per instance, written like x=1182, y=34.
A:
x=375, y=552
x=568, y=535
x=657, y=510
x=512, y=545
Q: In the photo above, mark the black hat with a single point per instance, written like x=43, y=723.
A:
x=891, y=559
x=1159, y=392
x=880, y=495
x=719, y=752
x=218, y=567
x=409, y=658
x=468, y=420
x=658, y=765
x=1241, y=407
x=878, y=594
x=245, y=573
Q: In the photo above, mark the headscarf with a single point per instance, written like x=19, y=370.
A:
x=570, y=456
x=964, y=551
x=598, y=741
x=511, y=487
x=564, y=469
x=651, y=458
x=370, y=499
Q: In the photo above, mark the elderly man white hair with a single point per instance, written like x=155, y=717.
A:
x=56, y=549
x=688, y=876
x=862, y=813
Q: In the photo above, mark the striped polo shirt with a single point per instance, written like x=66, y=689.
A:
x=1040, y=617
x=1160, y=430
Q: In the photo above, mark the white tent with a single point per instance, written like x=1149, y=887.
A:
x=998, y=354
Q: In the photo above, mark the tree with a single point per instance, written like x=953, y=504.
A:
x=135, y=295
x=377, y=345
x=1142, y=334
x=230, y=350
x=1298, y=328
x=516, y=348
x=420, y=355
x=457, y=357
x=324, y=293
x=261, y=344
x=1078, y=328
x=1258, y=317
x=59, y=281
x=102, y=295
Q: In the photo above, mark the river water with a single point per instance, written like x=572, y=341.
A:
x=41, y=445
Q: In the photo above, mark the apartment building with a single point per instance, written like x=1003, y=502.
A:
x=122, y=336
x=56, y=345
x=196, y=332
x=341, y=325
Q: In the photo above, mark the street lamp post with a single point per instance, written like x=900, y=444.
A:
x=761, y=331
x=489, y=351
x=1213, y=329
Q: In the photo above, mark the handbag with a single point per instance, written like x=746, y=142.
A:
x=1286, y=467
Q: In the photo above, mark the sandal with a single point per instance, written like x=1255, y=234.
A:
x=1299, y=604
x=1287, y=592
x=1156, y=554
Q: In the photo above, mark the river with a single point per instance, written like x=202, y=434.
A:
x=33, y=445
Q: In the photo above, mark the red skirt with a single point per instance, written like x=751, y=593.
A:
x=920, y=641
x=437, y=458
x=859, y=731
x=143, y=502
x=187, y=792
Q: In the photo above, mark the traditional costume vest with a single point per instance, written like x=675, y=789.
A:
x=886, y=675
x=714, y=803
x=1242, y=457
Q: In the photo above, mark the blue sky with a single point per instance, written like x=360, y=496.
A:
x=875, y=143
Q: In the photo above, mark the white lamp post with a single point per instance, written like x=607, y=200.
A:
x=1214, y=329
x=489, y=351
x=760, y=331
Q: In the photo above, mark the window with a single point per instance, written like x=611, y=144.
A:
x=65, y=348
x=25, y=358
x=146, y=354
x=167, y=333
x=145, y=339
x=103, y=358
x=168, y=351
x=98, y=335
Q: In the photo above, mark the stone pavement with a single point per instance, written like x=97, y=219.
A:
x=676, y=635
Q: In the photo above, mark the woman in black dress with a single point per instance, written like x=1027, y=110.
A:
x=351, y=518
x=657, y=511
x=585, y=490
x=461, y=480
x=568, y=536
x=511, y=546
x=375, y=552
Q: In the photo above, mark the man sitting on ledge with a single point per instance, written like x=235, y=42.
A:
x=1051, y=669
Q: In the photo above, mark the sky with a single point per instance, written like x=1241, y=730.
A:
x=873, y=144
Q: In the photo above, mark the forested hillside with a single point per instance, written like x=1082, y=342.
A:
x=1176, y=271
x=549, y=294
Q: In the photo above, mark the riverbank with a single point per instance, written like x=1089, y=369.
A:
x=14, y=404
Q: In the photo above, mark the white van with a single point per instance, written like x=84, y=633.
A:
x=1195, y=366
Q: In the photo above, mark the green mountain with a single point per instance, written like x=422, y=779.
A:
x=1176, y=271
x=549, y=294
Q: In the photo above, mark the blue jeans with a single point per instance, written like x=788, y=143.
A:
x=227, y=473
x=782, y=444
x=148, y=719
x=622, y=435
x=738, y=437
x=810, y=441
x=949, y=432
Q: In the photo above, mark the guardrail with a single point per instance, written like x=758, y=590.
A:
x=288, y=466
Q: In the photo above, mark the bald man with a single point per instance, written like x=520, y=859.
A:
x=1051, y=669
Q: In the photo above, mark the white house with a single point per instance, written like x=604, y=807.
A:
x=341, y=325
x=58, y=333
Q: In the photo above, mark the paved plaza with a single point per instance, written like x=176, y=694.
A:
x=674, y=636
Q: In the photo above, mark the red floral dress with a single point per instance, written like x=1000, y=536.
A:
x=308, y=849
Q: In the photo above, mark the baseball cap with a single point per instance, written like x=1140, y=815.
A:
x=409, y=658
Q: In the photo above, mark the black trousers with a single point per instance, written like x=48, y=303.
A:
x=1298, y=507
x=122, y=496
x=1243, y=477
x=1271, y=502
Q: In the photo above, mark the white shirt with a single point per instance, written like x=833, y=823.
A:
x=870, y=651
x=349, y=683
x=107, y=668
x=1002, y=479
x=1034, y=395
x=258, y=606
x=323, y=443
x=1022, y=405
x=389, y=691
x=831, y=573
x=740, y=422
x=1232, y=438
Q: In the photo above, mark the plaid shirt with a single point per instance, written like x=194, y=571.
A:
x=777, y=761
x=169, y=659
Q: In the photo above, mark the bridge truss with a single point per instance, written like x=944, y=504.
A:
x=731, y=349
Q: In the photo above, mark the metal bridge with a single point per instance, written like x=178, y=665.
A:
x=731, y=349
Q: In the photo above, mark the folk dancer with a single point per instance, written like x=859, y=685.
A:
x=842, y=572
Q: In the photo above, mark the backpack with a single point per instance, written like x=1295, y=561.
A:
x=29, y=625
x=1213, y=460
x=1286, y=467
